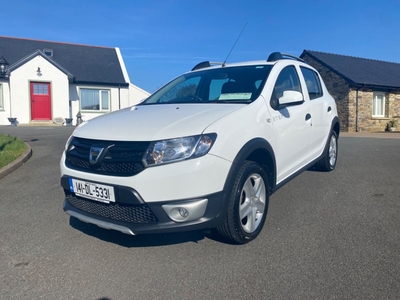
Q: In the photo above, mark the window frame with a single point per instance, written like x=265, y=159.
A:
x=1, y=96
x=48, y=52
x=374, y=95
x=277, y=91
x=317, y=82
x=293, y=85
x=100, y=102
x=40, y=88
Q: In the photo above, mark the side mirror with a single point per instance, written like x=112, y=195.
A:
x=291, y=98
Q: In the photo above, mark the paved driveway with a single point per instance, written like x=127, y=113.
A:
x=327, y=236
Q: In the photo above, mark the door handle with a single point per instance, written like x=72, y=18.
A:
x=308, y=117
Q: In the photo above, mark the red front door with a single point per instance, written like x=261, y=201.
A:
x=40, y=101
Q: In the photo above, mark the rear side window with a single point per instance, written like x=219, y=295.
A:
x=313, y=83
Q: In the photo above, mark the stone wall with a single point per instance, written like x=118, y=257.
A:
x=346, y=101
x=366, y=122
x=394, y=107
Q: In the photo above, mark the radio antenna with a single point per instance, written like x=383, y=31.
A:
x=223, y=64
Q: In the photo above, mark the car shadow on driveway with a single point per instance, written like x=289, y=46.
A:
x=142, y=240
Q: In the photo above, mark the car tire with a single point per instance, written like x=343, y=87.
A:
x=329, y=157
x=248, y=204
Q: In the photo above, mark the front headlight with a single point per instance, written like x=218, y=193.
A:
x=167, y=151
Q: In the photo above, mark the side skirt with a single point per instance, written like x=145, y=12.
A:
x=306, y=167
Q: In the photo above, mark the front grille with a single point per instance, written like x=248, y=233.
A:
x=119, y=158
x=136, y=214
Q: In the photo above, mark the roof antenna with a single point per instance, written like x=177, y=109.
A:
x=224, y=63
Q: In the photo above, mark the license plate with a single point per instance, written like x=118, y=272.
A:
x=93, y=191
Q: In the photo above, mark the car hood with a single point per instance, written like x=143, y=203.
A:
x=154, y=122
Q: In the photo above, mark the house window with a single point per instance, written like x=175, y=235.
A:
x=95, y=100
x=1, y=97
x=378, y=107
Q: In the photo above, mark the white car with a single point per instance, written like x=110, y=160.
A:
x=204, y=151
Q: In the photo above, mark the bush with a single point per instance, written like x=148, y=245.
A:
x=10, y=149
x=393, y=123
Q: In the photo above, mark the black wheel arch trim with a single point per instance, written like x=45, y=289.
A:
x=336, y=125
x=260, y=151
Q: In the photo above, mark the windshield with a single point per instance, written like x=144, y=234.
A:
x=222, y=85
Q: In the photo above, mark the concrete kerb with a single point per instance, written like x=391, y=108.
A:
x=16, y=163
x=382, y=135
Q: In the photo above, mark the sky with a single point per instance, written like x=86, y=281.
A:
x=159, y=40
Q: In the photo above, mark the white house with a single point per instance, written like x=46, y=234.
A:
x=50, y=82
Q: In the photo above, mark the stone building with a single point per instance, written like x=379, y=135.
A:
x=367, y=91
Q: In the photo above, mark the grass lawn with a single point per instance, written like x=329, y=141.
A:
x=10, y=149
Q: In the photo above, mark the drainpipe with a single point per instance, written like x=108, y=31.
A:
x=359, y=88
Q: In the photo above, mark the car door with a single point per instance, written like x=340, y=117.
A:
x=321, y=111
x=292, y=125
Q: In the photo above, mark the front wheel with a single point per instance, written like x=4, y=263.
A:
x=329, y=158
x=248, y=204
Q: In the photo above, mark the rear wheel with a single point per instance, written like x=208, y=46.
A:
x=248, y=204
x=329, y=158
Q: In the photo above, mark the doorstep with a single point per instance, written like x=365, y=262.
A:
x=41, y=123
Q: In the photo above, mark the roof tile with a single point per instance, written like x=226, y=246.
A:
x=360, y=70
x=89, y=64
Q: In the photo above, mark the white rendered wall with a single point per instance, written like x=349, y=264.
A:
x=120, y=97
x=64, y=96
x=20, y=80
x=136, y=95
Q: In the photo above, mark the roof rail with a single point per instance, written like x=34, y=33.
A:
x=206, y=64
x=274, y=56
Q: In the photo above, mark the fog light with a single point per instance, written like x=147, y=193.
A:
x=183, y=212
x=186, y=211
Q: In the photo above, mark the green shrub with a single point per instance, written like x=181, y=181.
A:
x=393, y=123
x=10, y=149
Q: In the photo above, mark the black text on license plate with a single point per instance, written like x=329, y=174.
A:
x=90, y=190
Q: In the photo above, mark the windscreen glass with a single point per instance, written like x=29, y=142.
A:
x=221, y=85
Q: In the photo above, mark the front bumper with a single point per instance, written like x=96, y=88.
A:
x=182, y=180
x=131, y=215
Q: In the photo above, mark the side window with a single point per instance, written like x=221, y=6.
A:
x=313, y=83
x=288, y=80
